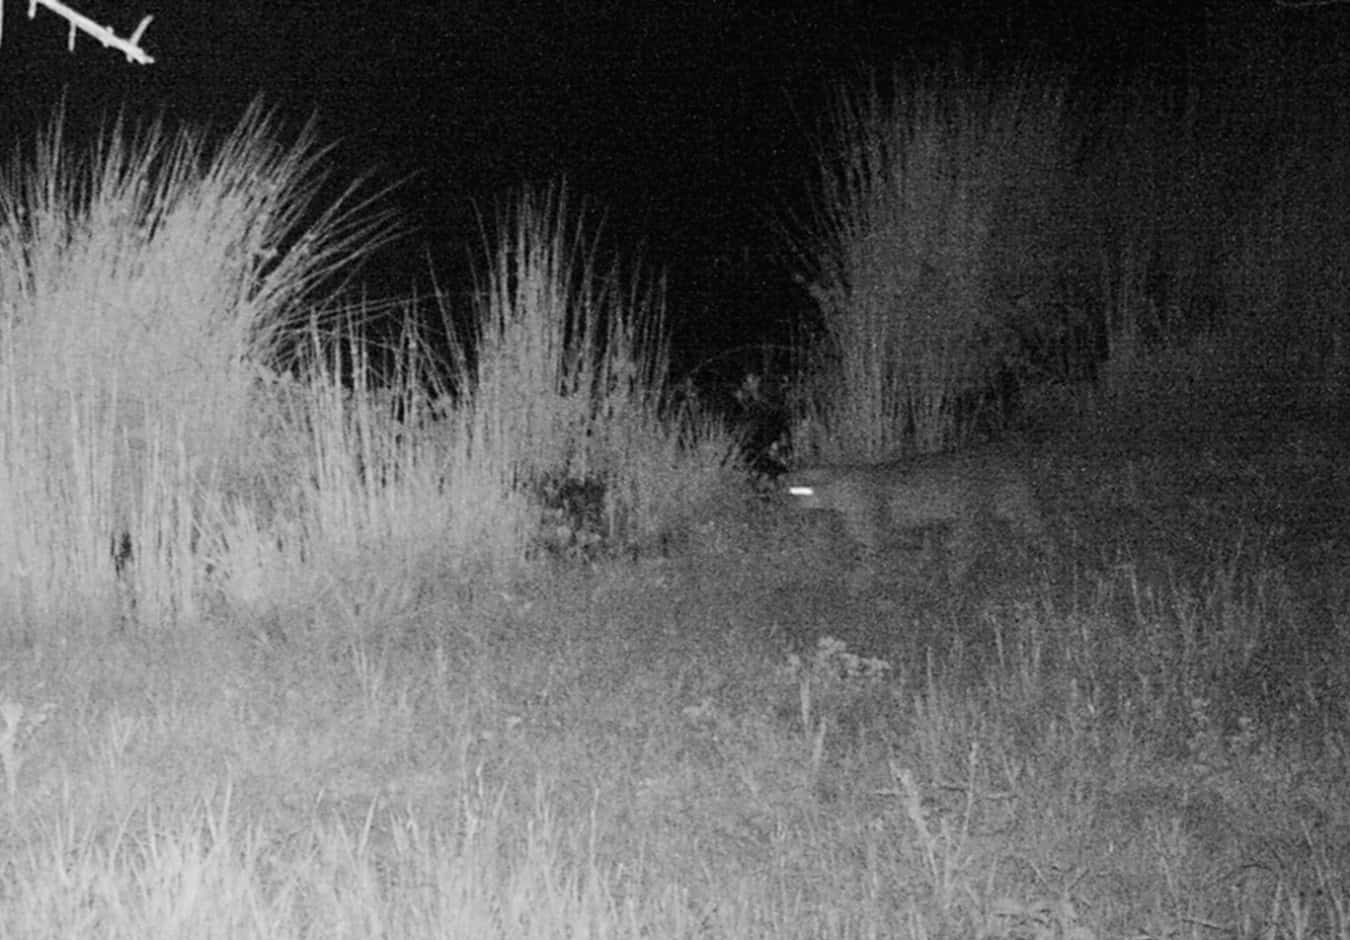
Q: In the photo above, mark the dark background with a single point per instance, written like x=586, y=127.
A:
x=688, y=125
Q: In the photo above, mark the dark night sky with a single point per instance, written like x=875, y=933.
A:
x=688, y=122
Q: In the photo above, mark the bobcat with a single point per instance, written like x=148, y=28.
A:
x=962, y=493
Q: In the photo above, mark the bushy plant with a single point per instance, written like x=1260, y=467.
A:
x=570, y=384
x=143, y=291
x=929, y=239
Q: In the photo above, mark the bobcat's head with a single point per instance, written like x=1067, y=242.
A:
x=803, y=489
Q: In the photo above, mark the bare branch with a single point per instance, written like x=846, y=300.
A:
x=79, y=23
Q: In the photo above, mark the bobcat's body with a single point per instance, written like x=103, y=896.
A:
x=963, y=493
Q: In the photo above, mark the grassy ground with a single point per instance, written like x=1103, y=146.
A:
x=1140, y=733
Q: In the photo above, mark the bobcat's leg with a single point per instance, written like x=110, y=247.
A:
x=962, y=546
x=861, y=579
x=866, y=525
x=1017, y=505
